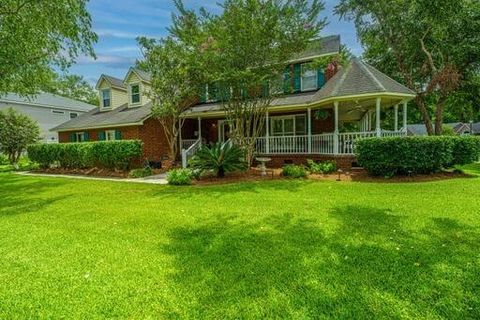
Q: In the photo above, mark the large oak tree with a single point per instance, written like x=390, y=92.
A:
x=431, y=46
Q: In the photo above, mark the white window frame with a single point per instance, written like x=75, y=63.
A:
x=58, y=112
x=110, y=132
x=291, y=117
x=75, y=113
x=102, y=96
x=79, y=136
x=315, y=87
x=131, y=95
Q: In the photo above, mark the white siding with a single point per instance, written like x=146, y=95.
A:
x=44, y=116
x=118, y=97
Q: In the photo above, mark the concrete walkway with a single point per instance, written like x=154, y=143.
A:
x=156, y=179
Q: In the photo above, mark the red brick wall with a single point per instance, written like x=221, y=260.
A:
x=155, y=147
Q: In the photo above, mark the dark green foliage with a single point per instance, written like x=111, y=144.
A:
x=294, y=171
x=140, y=173
x=466, y=150
x=179, y=177
x=325, y=167
x=220, y=158
x=392, y=156
x=106, y=154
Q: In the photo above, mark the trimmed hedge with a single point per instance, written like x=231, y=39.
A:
x=411, y=155
x=105, y=154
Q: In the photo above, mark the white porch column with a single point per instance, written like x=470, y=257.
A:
x=180, y=136
x=396, y=118
x=200, y=129
x=378, y=128
x=267, y=134
x=309, y=124
x=405, y=103
x=335, y=133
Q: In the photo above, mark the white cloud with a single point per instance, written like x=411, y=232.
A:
x=134, y=49
x=122, y=34
x=111, y=61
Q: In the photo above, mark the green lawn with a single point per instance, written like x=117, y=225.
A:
x=283, y=249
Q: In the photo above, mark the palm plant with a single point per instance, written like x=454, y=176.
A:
x=221, y=158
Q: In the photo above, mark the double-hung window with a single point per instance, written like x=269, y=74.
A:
x=135, y=93
x=110, y=135
x=309, y=77
x=106, y=98
x=284, y=126
x=79, y=136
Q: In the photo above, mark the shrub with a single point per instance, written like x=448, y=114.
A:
x=466, y=150
x=391, y=156
x=4, y=160
x=293, y=171
x=140, y=173
x=221, y=158
x=325, y=167
x=106, y=154
x=179, y=177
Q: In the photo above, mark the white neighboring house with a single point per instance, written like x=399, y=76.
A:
x=47, y=109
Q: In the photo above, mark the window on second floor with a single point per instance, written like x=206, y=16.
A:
x=135, y=93
x=308, y=77
x=106, y=98
x=73, y=115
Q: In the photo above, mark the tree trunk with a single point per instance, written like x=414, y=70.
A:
x=420, y=102
x=439, y=108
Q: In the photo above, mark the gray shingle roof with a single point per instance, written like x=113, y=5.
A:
x=114, y=81
x=48, y=100
x=421, y=130
x=322, y=46
x=359, y=78
x=103, y=119
x=145, y=76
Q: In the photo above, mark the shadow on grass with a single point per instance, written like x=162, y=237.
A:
x=21, y=195
x=361, y=263
x=215, y=191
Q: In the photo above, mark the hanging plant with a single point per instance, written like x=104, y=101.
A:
x=321, y=114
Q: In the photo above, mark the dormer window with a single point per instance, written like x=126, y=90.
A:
x=309, y=77
x=135, y=93
x=106, y=98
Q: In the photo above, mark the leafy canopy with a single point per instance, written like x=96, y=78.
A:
x=72, y=86
x=39, y=36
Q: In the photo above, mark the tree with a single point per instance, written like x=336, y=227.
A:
x=17, y=131
x=72, y=86
x=174, y=84
x=429, y=45
x=37, y=37
x=243, y=52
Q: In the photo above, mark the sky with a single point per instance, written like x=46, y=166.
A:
x=119, y=22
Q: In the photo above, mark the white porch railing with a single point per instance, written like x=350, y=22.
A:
x=187, y=143
x=320, y=144
x=187, y=154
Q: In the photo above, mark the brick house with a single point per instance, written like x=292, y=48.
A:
x=319, y=115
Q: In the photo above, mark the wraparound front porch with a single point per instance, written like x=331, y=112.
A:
x=299, y=133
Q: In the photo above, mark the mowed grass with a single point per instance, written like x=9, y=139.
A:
x=277, y=249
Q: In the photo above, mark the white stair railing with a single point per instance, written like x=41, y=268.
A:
x=187, y=154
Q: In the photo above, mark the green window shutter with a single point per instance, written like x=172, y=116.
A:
x=118, y=135
x=101, y=136
x=287, y=81
x=86, y=136
x=297, y=74
x=73, y=137
x=320, y=78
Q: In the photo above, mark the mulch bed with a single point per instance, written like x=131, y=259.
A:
x=357, y=175
x=92, y=172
